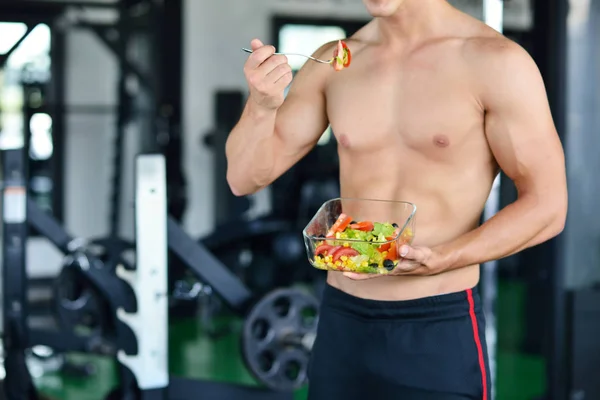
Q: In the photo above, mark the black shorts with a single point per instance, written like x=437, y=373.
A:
x=425, y=349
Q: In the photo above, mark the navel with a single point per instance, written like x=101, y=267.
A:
x=441, y=140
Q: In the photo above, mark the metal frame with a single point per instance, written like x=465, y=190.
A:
x=550, y=31
x=149, y=281
x=57, y=52
x=493, y=16
x=548, y=42
x=159, y=74
x=20, y=215
x=29, y=11
x=14, y=280
x=206, y=268
x=116, y=291
x=57, y=89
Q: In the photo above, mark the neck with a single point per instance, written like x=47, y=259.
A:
x=414, y=20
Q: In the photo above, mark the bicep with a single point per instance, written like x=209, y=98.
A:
x=519, y=126
x=302, y=118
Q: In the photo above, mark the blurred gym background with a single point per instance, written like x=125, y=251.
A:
x=85, y=86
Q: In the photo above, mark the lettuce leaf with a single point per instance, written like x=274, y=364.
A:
x=382, y=230
x=365, y=248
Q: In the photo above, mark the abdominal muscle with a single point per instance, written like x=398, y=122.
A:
x=449, y=204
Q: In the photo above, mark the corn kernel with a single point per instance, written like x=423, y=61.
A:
x=384, y=254
x=338, y=235
x=346, y=244
x=364, y=264
x=344, y=258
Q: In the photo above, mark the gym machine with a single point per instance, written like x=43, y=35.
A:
x=129, y=304
x=271, y=244
x=18, y=383
x=279, y=328
x=493, y=16
x=92, y=307
x=565, y=305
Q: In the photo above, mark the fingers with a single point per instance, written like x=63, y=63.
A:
x=285, y=80
x=404, y=252
x=259, y=55
x=279, y=72
x=405, y=267
x=418, y=254
x=267, y=74
x=273, y=63
x=274, y=73
x=255, y=44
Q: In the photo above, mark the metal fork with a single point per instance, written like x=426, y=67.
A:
x=295, y=54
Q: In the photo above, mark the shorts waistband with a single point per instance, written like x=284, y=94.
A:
x=445, y=306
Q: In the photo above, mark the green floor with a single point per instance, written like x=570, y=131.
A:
x=194, y=355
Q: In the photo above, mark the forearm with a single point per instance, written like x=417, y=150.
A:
x=250, y=150
x=520, y=225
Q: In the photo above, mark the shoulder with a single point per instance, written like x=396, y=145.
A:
x=495, y=51
x=315, y=71
x=357, y=42
x=498, y=64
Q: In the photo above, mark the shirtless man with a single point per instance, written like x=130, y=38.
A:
x=441, y=102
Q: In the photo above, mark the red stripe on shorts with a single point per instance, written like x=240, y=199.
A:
x=477, y=342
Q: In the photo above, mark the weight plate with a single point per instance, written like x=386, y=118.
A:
x=277, y=338
x=112, y=251
x=77, y=303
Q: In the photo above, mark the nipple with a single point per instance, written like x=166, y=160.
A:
x=344, y=141
x=441, y=140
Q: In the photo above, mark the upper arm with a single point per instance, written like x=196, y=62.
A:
x=518, y=122
x=302, y=118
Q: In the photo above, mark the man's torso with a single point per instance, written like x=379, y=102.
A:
x=410, y=127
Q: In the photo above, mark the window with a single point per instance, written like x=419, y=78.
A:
x=25, y=75
x=40, y=145
x=304, y=38
x=10, y=33
x=29, y=62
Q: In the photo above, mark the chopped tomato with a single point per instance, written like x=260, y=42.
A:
x=384, y=247
x=347, y=55
x=363, y=226
x=344, y=251
x=392, y=253
x=333, y=249
x=322, y=249
x=342, y=223
x=342, y=57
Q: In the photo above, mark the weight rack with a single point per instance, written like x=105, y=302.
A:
x=206, y=267
x=145, y=313
x=20, y=216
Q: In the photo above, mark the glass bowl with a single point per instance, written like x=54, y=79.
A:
x=359, y=235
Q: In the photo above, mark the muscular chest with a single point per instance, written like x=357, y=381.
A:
x=421, y=107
